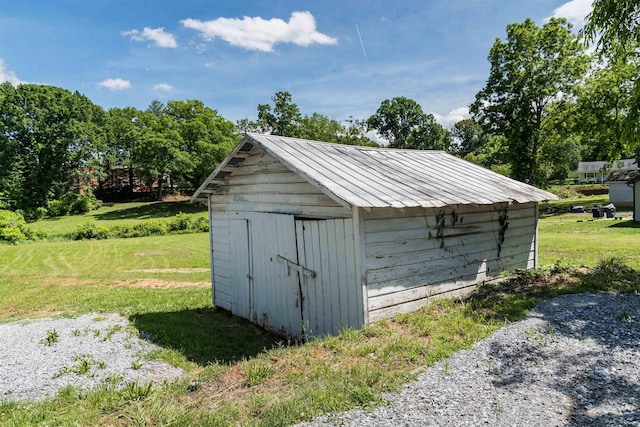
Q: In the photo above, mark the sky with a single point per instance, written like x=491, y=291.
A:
x=340, y=58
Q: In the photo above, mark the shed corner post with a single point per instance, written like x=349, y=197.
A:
x=211, y=265
x=360, y=260
x=535, y=248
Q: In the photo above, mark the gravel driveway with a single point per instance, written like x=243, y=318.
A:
x=38, y=357
x=575, y=360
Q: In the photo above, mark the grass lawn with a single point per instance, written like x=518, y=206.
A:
x=239, y=374
x=577, y=239
x=119, y=214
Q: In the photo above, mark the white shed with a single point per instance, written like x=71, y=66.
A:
x=309, y=237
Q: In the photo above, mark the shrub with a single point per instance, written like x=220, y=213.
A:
x=201, y=224
x=181, y=221
x=57, y=208
x=90, y=231
x=13, y=227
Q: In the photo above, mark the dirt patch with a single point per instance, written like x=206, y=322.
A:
x=158, y=283
x=171, y=270
x=163, y=252
x=136, y=283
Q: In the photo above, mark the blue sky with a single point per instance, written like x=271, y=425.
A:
x=338, y=58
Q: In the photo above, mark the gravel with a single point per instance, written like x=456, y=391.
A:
x=575, y=360
x=39, y=357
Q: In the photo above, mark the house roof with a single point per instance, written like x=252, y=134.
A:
x=623, y=175
x=602, y=166
x=380, y=177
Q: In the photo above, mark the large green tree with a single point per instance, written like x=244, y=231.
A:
x=615, y=25
x=205, y=140
x=46, y=136
x=469, y=138
x=602, y=109
x=533, y=68
x=402, y=122
x=179, y=143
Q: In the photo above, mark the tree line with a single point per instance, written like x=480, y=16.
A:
x=547, y=104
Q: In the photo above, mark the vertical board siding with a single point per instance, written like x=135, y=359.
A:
x=275, y=288
x=262, y=184
x=636, y=201
x=241, y=272
x=220, y=260
x=332, y=299
x=410, y=256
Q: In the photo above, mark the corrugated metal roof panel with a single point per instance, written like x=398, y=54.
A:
x=381, y=177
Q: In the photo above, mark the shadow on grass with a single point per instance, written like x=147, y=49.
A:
x=205, y=336
x=153, y=210
x=589, y=379
x=512, y=299
x=625, y=224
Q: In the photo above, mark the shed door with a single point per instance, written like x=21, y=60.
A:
x=333, y=297
x=266, y=288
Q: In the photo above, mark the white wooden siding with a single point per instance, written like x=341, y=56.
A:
x=333, y=298
x=220, y=260
x=405, y=263
x=275, y=293
x=636, y=201
x=262, y=184
x=620, y=192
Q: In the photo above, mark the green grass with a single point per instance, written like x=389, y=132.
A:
x=118, y=214
x=578, y=240
x=239, y=374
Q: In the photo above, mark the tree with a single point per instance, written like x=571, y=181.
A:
x=615, y=24
x=284, y=119
x=469, y=138
x=531, y=69
x=402, y=122
x=602, y=108
x=122, y=135
x=46, y=135
x=205, y=140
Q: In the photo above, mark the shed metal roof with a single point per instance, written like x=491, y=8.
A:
x=381, y=177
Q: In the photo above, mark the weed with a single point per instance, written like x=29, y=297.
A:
x=111, y=331
x=137, y=391
x=51, y=339
x=136, y=365
x=257, y=372
x=82, y=367
x=626, y=316
x=76, y=332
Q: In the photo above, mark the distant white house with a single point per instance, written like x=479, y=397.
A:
x=599, y=171
x=616, y=174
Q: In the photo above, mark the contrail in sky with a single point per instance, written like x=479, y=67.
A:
x=366, y=60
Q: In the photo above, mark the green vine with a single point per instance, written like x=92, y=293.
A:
x=441, y=226
x=503, y=218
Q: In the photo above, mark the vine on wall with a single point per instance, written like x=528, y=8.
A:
x=503, y=220
x=441, y=226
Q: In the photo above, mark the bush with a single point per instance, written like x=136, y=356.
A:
x=57, y=208
x=90, y=231
x=181, y=221
x=13, y=227
x=73, y=203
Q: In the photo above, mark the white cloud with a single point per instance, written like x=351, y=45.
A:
x=7, y=75
x=575, y=11
x=452, y=117
x=163, y=87
x=156, y=35
x=115, y=84
x=261, y=34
